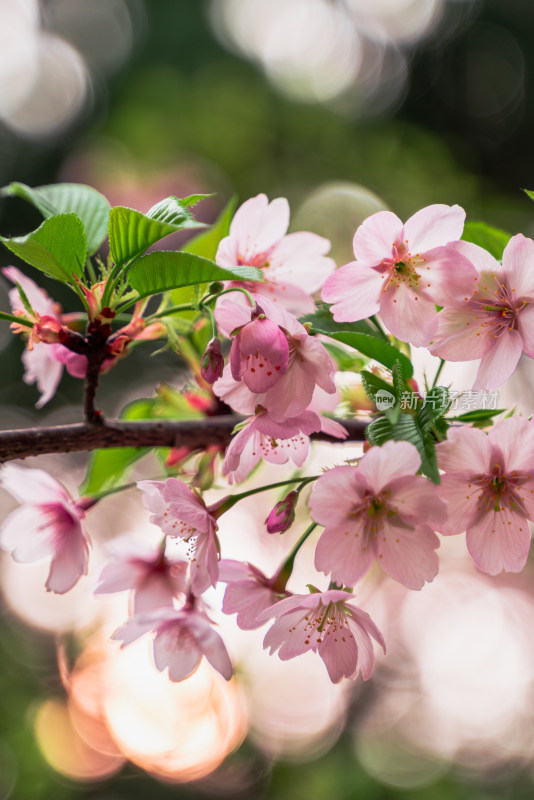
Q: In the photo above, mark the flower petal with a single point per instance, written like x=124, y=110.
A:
x=499, y=541
x=498, y=363
x=354, y=291
x=434, y=226
x=376, y=237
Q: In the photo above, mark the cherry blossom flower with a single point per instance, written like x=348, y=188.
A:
x=249, y=592
x=403, y=271
x=47, y=524
x=182, y=638
x=153, y=578
x=42, y=362
x=309, y=366
x=489, y=486
x=380, y=510
x=180, y=512
x=294, y=266
x=275, y=442
x=328, y=624
x=260, y=353
x=496, y=322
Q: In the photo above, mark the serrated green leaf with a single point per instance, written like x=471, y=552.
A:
x=164, y=270
x=207, y=242
x=372, y=347
x=407, y=429
x=131, y=232
x=58, y=247
x=373, y=384
x=494, y=240
x=323, y=322
x=435, y=405
x=68, y=198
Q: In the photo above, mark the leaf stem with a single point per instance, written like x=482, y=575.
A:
x=438, y=373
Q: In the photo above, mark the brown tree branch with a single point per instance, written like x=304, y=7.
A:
x=80, y=436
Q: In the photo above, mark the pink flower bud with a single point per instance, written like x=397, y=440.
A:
x=283, y=514
x=212, y=364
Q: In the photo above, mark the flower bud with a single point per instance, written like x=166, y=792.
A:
x=212, y=363
x=283, y=514
x=47, y=330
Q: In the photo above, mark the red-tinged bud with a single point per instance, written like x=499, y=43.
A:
x=412, y=383
x=282, y=516
x=367, y=446
x=199, y=402
x=177, y=455
x=47, y=330
x=212, y=364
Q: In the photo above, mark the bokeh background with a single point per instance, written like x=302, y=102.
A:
x=345, y=107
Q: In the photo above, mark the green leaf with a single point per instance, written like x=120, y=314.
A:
x=346, y=360
x=361, y=335
x=494, y=240
x=58, y=247
x=435, y=405
x=478, y=415
x=207, y=242
x=373, y=348
x=164, y=270
x=109, y=468
x=68, y=198
x=529, y=193
x=407, y=429
x=373, y=384
x=323, y=322
x=131, y=232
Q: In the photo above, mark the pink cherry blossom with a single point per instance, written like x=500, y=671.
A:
x=47, y=524
x=260, y=353
x=294, y=266
x=182, y=638
x=180, y=512
x=41, y=364
x=309, y=366
x=496, y=322
x=328, y=624
x=275, y=442
x=378, y=511
x=153, y=578
x=489, y=486
x=249, y=592
x=403, y=271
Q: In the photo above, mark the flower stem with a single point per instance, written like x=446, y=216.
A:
x=280, y=579
x=379, y=328
x=232, y=289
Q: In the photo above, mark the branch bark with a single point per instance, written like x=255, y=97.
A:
x=118, y=433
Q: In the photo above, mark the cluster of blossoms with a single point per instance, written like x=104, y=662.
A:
x=385, y=509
